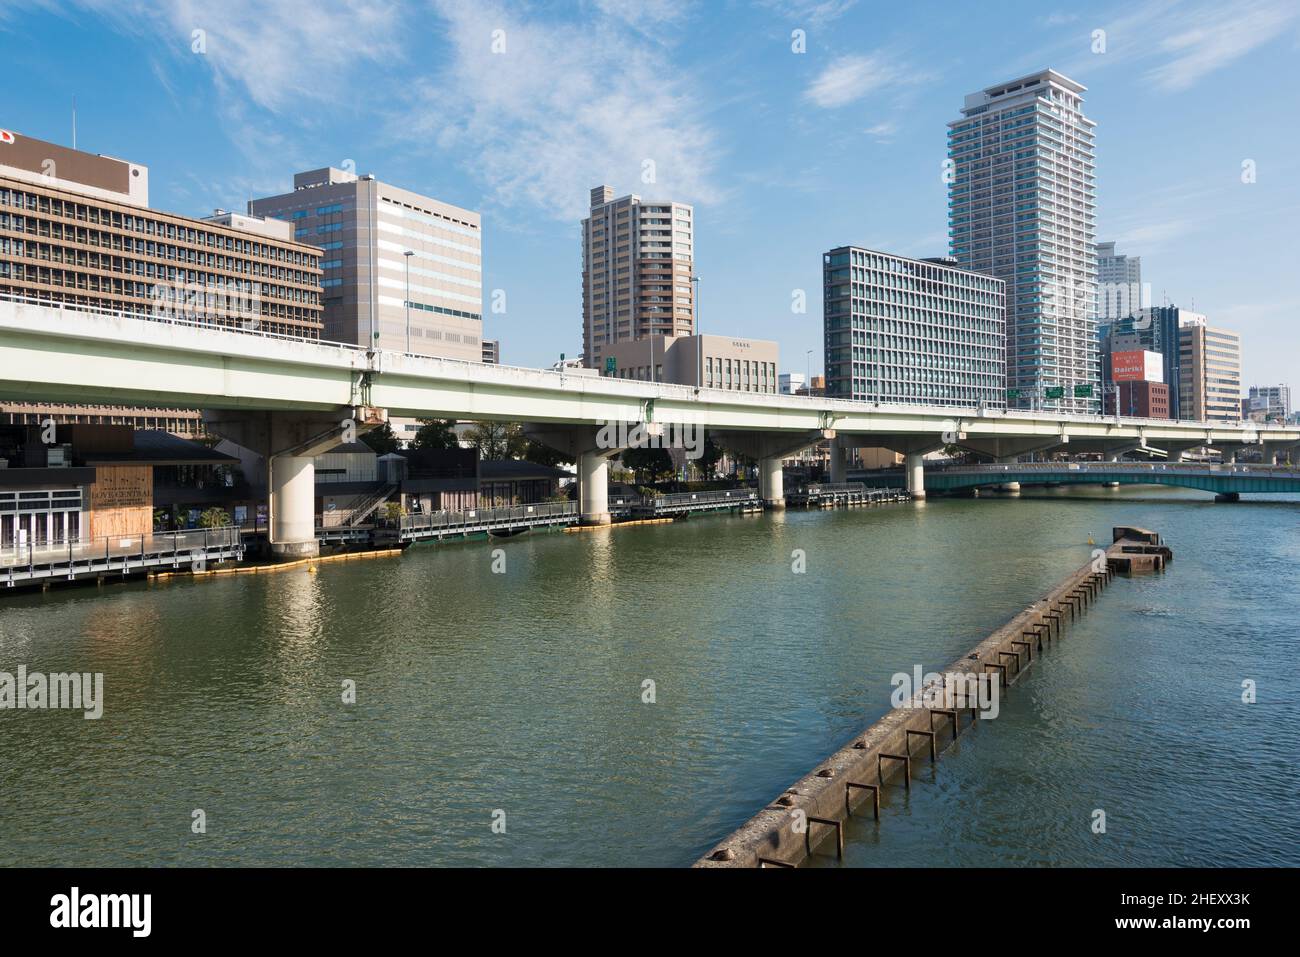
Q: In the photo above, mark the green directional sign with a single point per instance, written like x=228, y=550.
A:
x=1055, y=392
x=1083, y=391
x=611, y=365
x=1013, y=393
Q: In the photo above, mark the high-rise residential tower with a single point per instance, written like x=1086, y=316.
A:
x=638, y=263
x=1022, y=202
x=365, y=230
x=1119, y=284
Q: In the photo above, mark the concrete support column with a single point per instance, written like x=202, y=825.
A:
x=1177, y=455
x=1013, y=487
x=593, y=487
x=771, y=482
x=839, y=468
x=915, y=468
x=292, y=491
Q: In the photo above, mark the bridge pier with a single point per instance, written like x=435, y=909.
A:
x=839, y=467
x=590, y=448
x=770, y=449
x=291, y=490
x=593, y=488
x=288, y=443
x=915, y=469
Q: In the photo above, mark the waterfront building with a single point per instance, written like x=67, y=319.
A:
x=1210, y=384
x=713, y=362
x=638, y=262
x=96, y=482
x=1022, y=207
x=1119, y=284
x=365, y=229
x=1137, y=388
x=76, y=228
x=918, y=331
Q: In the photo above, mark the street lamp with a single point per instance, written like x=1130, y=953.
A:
x=807, y=373
x=407, y=256
x=699, y=343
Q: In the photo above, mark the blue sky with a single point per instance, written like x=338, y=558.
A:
x=784, y=154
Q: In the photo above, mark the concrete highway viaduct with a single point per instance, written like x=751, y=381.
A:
x=291, y=399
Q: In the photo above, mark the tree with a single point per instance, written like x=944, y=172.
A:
x=648, y=462
x=544, y=454
x=435, y=434
x=708, y=461
x=497, y=440
x=382, y=439
x=215, y=517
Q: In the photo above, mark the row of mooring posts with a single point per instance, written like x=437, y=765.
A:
x=1049, y=626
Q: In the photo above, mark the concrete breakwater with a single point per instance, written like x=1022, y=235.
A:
x=812, y=811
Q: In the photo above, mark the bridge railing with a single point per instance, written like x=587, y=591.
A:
x=480, y=517
x=157, y=545
x=1053, y=467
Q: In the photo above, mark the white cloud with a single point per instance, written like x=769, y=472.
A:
x=280, y=53
x=884, y=131
x=1212, y=37
x=566, y=107
x=815, y=12
x=850, y=78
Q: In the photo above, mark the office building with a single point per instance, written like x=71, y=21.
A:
x=638, y=261
x=918, y=331
x=1137, y=387
x=492, y=351
x=1210, y=388
x=1022, y=207
x=76, y=228
x=713, y=362
x=1155, y=329
x=1119, y=284
x=378, y=241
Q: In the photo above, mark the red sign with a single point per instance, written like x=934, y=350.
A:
x=6, y=136
x=1137, y=365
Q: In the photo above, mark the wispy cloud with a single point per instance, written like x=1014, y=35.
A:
x=812, y=12
x=848, y=79
x=1211, y=37
x=561, y=109
x=279, y=54
x=1177, y=42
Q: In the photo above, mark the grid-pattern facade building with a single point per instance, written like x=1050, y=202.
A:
x=638, y=261
x=1210, y=388
x=912, y=330
x=364, y=229
x=77, y=228
x=1022, y=204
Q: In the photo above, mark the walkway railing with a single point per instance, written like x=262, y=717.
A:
x=113, y=553
x=700, y=501
x=434, y=524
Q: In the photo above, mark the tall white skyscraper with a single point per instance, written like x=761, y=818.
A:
x=1022, y=207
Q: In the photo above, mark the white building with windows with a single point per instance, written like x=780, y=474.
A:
x=920, y=331
x=1022, y=207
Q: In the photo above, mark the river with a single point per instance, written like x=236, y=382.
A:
x=510, y=688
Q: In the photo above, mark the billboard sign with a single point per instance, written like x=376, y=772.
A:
x=1138, y=365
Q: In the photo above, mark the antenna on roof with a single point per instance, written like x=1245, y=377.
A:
x=74, y=122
